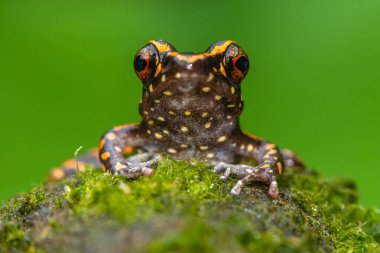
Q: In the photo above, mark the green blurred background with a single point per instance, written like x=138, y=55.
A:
x=66, y=76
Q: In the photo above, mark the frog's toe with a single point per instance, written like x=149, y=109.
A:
x=135, y=170
x=240, y=170
x=248, y=174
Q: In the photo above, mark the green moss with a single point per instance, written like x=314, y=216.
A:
x=187, y=208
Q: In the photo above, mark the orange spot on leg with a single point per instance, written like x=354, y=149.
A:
x=128, y=150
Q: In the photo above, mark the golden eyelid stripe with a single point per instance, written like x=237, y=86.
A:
x=161, y=47
x=222, y=48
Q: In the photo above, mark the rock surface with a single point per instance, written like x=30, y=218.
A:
x=188, y=208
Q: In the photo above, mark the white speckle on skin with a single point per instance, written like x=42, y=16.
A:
x=178, y=75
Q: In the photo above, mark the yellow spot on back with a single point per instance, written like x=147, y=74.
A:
x=250, y=148
x=178, y=75
x=217, y=97
x=265, y=166
x=184, y=129
x=206, y=89
x=172, y=150
x=232, y=89
x=187, y=113
x=204, y=114
x=183, y=145
x=207, y=125
x=145, y=112
x=158, y=136
x=166, y=132
x=161, y=119
x=231, y=106
x=157, y=101
x=151, y=122
x=229, y=117
x=203, y=147
x=222, y=138
x=215, y=69
x=210, y=77
x=210, y=155
x=151, y=88
x=171, y=112
x=163, y=78
x=118, y=149
x=168, y=93
x=105, y=156
x=148, y=131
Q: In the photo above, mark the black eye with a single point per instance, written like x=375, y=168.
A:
x=242, y=64
x=140, y=63
x=236, y=63
x=145, y=63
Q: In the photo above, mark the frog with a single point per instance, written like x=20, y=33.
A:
x=190, y=107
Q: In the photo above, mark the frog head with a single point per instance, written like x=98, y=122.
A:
x=195, y=83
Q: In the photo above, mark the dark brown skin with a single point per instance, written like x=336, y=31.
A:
x=190, y=109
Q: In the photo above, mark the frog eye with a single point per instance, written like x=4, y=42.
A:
x=146, y=61
x=236, y=63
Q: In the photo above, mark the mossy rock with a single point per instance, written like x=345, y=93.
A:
x=185, y=207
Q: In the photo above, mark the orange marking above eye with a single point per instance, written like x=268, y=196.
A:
x=222, y=48
x=161, y=47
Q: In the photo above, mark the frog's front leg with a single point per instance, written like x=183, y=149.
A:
x=269, y=159
x=115, y=143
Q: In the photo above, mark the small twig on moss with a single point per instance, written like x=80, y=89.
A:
x=76, y=156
